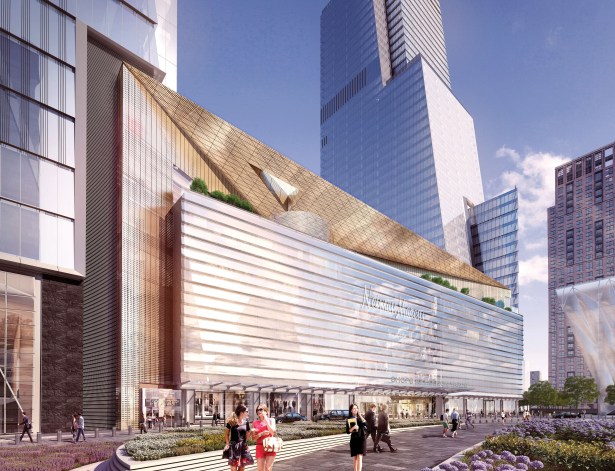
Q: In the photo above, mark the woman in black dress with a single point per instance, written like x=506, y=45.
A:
x=355, y=426
x=237, y=431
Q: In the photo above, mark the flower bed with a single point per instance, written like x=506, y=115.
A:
x=185, y=441
x=558, y=445
x=54, y=457
x=487, y=460
x=588, y=431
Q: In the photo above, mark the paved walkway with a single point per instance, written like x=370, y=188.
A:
x=416, y=449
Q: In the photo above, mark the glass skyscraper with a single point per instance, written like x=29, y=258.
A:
x=392, y=132
x=44, y=112
x=493, y=227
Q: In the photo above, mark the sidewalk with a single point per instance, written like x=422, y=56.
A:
x=121, y=436
x=416, y=449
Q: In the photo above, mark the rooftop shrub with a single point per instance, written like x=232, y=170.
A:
x=199, y=185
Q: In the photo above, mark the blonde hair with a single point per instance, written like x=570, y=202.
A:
x=233, y=420
x=263, y=406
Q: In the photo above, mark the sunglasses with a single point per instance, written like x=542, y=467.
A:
x=259, y=410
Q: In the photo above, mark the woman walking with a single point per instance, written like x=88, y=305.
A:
x=237, y=429
x=355, y=426
x=262, y=428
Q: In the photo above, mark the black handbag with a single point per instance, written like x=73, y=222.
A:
x=226, y=454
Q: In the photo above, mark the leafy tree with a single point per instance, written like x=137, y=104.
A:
x=199, y=185
x=610, y=394
x=541, y=394
x=580, y=389
x=426, y=276
x=465, y=290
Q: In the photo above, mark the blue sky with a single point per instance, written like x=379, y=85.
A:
x=538, y=78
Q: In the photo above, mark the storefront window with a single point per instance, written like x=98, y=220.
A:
x=17, y=348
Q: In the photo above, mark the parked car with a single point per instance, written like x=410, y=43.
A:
x=290, y=417
x=566, y=415
x=336, y=414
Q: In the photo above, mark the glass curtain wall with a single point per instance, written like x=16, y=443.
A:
x=37, y=121
x=18, y=348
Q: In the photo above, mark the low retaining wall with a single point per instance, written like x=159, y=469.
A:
x=212, y=460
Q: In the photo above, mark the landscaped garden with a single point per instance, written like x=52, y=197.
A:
x=54, y=457
x=552, y=445
x=185, y=441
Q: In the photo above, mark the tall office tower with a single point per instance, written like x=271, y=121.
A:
x=534, y=377
x=392, y=132
x=493, y=227
x=44, y=113
x=582, y=269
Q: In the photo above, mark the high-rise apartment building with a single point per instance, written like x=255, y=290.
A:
x=392, y=132
x=493, y=228
x=581, y=268
x=44, y=113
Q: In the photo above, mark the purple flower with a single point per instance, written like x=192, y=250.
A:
x=523, y=459
x=477, y=465
x=521, y=466
x=536, y=465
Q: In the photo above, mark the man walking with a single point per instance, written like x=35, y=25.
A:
x=370, y=418
x=444, y=419
x=455, y=419
x=80, y=427
x=383, y=429
x=27, y=426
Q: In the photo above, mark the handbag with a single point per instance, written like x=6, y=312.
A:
x=272, y=444
x=226, y=453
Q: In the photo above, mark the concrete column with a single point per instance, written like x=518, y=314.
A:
x=17, y=435
x=130, y=430
x=59, y=436
x=96, y=433
x=39, y=437
x=113, y=431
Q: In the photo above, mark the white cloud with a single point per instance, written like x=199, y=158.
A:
x=533, y=269
x=534, y=177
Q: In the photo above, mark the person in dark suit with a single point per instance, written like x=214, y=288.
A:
x=370, y=419
x=355, y=426
x=27, y=425
x=383, y=428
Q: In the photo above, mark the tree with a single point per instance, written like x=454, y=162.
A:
x=541, y=394
x=610, y=394
x=580, y=389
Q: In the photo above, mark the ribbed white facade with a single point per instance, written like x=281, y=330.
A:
x=262, y=304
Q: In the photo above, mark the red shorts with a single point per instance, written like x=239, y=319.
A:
x=261, y=453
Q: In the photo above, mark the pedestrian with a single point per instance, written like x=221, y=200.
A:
x=372, y=430
x=142, y=427
x=355, y=426
x=455, y=420
x=27, y=426
x=235, y=435
x=503, y=415
x=80, y=427
x=384, y=432
x=444, y=418
x=469, y=420
x=262, y=428
x=73, y=427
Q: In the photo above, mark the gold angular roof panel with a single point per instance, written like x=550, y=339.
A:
x=353, y=224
